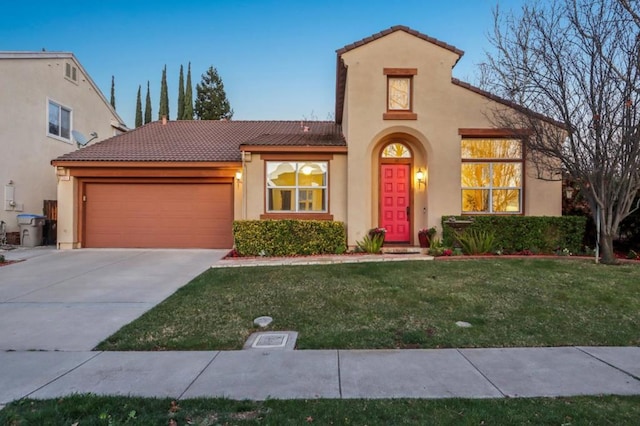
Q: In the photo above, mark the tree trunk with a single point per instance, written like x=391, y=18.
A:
x=606, y=249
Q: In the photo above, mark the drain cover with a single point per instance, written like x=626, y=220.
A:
x=272, y=340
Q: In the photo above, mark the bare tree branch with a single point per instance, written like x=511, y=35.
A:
x=577, y=62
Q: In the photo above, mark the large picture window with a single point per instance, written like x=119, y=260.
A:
x=491, y=176
x=59, y=121
x=297, y=186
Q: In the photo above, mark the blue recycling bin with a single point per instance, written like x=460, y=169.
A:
x=30, y=229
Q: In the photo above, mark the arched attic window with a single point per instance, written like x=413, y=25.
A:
x=396, y=150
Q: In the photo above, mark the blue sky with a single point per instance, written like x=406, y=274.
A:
x=276, y=58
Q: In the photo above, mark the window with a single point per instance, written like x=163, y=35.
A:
x=491, y=176
x=59, y=121
x=396, y=150
x=71, y=72
x=400, y=93
x=297, y=186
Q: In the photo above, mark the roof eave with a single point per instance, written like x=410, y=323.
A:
x=293, y=148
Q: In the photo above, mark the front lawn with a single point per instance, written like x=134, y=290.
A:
x=413, y=304
x=93, y=410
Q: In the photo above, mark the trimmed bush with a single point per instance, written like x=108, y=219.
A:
x=537, y=234
x=289, y=237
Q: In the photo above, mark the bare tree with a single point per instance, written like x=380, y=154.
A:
x=576, y=62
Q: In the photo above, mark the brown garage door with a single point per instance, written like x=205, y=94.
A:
x=162, y=215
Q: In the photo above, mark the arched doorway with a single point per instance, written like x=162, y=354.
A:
x=396, y=161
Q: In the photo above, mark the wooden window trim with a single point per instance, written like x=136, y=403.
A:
x=294, y=215
x=296, y=157
x=477, y=133
x=400, y=72
x=299, y=216
x=400, y=114
x=497, y=134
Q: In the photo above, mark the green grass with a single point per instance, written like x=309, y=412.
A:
x=93, y=410
x=413, y=304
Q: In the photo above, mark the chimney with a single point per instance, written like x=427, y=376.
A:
x=164, y=120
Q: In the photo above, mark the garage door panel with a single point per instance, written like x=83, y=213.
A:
x=163, y=215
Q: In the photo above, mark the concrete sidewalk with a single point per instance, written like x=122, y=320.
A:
x=292, y=374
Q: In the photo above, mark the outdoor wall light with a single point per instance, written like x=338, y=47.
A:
x=239, y=176
x=420, y=177
x=569, y=192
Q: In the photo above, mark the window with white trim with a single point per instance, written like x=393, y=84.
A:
x=297, y=186
x=491, y=176
x=59, y=121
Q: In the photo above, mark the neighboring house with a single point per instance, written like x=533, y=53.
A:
x=45, y=97
x=410, y=144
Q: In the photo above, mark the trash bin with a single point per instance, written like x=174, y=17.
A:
x=30, y=229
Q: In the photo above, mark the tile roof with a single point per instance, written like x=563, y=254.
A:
x=298, y=139
x=206, y=140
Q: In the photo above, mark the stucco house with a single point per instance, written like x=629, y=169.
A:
x=45, y=97
x=409, y=145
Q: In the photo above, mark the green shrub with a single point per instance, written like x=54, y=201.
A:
x=288, y=237
x=475, y=241
x=537, y=234
x=371, y=244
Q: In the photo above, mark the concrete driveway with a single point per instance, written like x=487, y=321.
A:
x=72, y=300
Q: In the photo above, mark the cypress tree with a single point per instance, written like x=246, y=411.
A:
x=164, y=96
x=211, y=99
x=180, y=95
x=188, y=97
x=147, y=106
x=113, y=92
x=139, y=108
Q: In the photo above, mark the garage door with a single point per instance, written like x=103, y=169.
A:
x=163, y=215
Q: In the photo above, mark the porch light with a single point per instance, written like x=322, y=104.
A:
x=568, y=191
x=420, y=177
x=239, y=176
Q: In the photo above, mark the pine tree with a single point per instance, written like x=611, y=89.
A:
x=113, y=92
x=147, y=106
x=180, y=95
x=188, y=97
x=164, y=96
x=211, y=100
x=139, y=108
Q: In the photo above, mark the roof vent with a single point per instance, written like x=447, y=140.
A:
x=305, y=129
x=164, y=120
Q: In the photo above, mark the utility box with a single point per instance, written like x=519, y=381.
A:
x=30, y=229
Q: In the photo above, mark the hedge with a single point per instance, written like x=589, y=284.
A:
x=288, y=237
x=537, y=234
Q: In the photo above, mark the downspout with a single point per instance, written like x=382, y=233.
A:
x=244, y=192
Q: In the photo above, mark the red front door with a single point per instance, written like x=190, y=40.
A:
x=394, y=197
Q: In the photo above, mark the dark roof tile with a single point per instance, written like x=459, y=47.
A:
x=206, y=140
